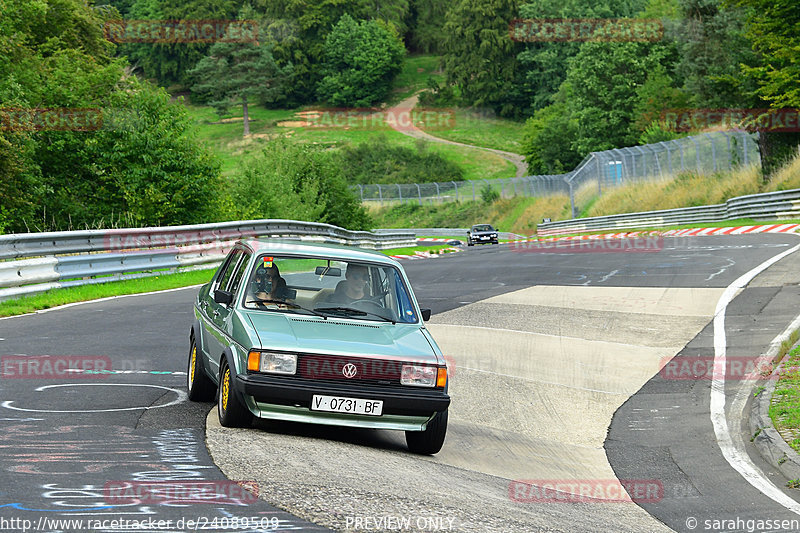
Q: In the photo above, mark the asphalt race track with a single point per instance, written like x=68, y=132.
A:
x=557, y=361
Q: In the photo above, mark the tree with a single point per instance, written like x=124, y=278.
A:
x=712, y=47
x=240, y=73
x=361, y=60
x=479, y=55
x=170, y=62
x=605, y=78
x=544, y=64
x=296, y=182
x=136, y=159
x=311, y=24
x=772, y=30
x=547, y=140
x=426, y=34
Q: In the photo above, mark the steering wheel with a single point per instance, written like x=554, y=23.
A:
x=372, y=299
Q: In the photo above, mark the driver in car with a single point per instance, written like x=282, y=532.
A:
x=268, y=283
x=355, y=286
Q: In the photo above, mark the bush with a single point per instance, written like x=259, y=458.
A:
x=296, y=182
x=489, y=194
x=378, y=161
x=361, y=61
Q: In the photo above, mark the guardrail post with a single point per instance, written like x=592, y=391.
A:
x=438, y=197
x=419, y=194
x=456, y=187
x=400, y=192
x=380, y=193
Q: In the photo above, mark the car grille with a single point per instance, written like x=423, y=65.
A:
x=332, y=367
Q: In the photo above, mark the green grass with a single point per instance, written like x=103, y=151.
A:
x=226, y=141
x=784, y=409
x=414, y=76
x=518, y=215
x=56, y=297
x=480, y=129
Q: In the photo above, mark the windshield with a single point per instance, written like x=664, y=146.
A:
x=329, y=287
x=482, y=227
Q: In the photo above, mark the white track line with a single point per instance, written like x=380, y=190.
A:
x=736, y=455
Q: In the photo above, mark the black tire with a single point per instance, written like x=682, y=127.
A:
x=230, y=409
x=199, y=385
x=469, y=243
x=431, y=440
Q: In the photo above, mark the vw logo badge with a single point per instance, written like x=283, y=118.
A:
x=349, y=370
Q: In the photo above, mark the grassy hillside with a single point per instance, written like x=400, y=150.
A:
x=224, y=136
x=521, y=214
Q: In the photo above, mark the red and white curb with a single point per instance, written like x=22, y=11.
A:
x=690, y=232
x=738, y=230
x=424, y=255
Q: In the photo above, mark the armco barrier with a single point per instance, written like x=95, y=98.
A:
x=763, y=206
x=36, y=262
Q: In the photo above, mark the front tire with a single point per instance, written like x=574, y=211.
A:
x=431, y=440
x=200, y=387
x=232, y=412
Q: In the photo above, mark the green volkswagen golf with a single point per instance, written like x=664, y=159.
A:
x=323, y=334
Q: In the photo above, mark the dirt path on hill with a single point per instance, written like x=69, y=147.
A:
x=404, y=108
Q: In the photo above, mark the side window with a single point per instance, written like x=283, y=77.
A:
x=236, y=280
x=225, y=275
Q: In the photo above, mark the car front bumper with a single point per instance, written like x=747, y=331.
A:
x=289, y=398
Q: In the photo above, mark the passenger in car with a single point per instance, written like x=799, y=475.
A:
x=355, y=285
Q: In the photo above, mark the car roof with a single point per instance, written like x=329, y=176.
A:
x=484, y=224
x=334, y=251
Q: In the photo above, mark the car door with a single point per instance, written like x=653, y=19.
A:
x=221, y=314
x=216, y=340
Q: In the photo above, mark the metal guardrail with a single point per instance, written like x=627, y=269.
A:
x=763, y=206
x=37, y=262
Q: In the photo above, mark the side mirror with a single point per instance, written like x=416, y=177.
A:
x=223, y=297
x=426, y=314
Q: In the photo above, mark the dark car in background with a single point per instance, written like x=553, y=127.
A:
x=482, y=234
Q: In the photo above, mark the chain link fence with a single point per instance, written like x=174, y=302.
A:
x=701, y=154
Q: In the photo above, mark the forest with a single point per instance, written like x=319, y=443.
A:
x=94, y=131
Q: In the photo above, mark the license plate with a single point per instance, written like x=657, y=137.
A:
x=355, y=406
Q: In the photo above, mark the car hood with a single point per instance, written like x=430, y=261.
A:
x=309, y=334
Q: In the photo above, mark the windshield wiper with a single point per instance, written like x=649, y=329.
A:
x=290, y=305
x=350, y=311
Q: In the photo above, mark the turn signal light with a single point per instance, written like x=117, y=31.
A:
x=253, y=361
x=441, y=377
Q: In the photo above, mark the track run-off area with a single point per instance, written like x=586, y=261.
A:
x=567, y=400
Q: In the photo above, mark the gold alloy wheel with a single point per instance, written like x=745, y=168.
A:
x=226, y=378
x=192, y=364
